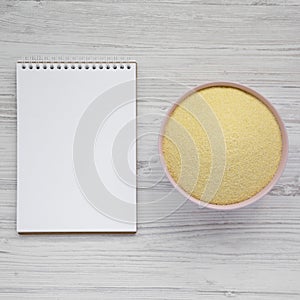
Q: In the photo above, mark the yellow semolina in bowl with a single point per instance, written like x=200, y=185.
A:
x=221, y=145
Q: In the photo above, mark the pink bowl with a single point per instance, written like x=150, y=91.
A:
x=281, y=166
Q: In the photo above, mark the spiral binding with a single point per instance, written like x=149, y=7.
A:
x=78, y=63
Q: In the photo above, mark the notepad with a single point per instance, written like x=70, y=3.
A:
x=76, y=147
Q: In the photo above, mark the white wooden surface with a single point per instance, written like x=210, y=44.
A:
x=252, y=253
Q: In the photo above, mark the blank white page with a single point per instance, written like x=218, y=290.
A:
x=76, y=147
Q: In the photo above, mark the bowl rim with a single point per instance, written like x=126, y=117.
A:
x=284, y=151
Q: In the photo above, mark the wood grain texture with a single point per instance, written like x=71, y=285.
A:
x=194, y=253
